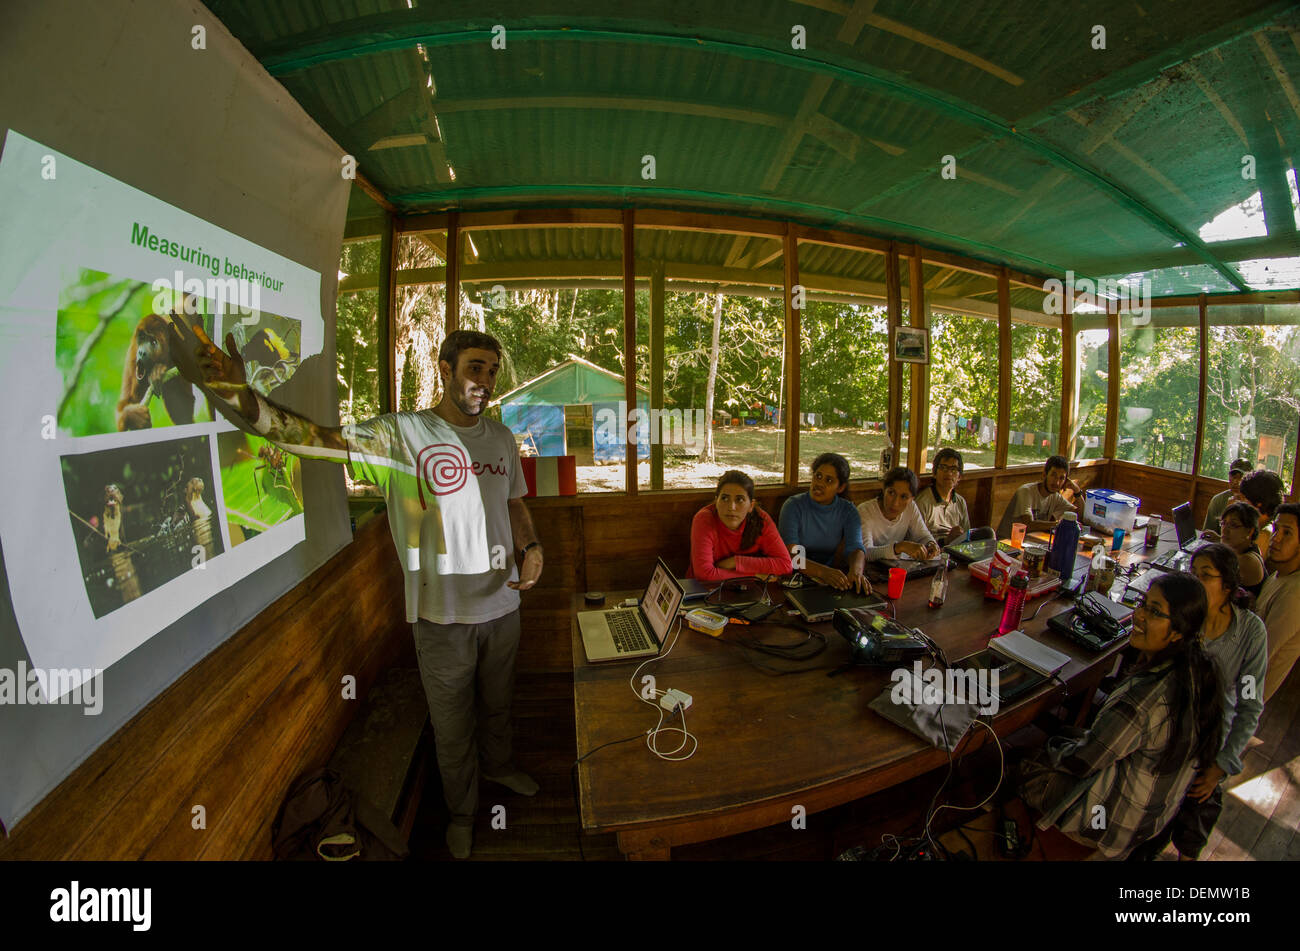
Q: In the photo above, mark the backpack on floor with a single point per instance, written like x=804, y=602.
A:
x=322, y=819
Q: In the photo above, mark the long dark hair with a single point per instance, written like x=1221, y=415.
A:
x=754, y=520
x=1225, y=562
x=1196, y=702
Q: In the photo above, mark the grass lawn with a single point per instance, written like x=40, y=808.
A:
x=757, y=450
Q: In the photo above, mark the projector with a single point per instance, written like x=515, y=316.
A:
x=877, y=640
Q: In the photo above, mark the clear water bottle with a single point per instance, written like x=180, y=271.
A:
x=939, y=585
x=1015, y=605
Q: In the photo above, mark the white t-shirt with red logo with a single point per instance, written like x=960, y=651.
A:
x=448, y=489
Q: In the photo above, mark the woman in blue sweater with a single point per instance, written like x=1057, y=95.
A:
x=822, y=526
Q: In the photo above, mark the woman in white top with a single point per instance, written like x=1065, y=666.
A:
x=892, y=525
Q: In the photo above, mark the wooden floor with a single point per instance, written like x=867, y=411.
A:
x=1259, y=822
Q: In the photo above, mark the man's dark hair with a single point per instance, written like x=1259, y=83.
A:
x=1239, y=465
x=898, y=474
x=1263, y=489
x=458, y=341
x=948, y=453
x=1289, y=508
x=1056, y=462
x=840, y=464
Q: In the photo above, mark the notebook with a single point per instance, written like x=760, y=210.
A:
x=819, y=603
x=1019, y=646
x=627, y=633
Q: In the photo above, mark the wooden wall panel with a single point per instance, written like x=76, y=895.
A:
x=1159, y=489
x=233, y=731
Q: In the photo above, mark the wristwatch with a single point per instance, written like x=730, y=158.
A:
x=523, y=553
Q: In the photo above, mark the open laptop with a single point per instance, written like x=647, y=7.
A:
x=627, y=633
x=879, y=570
x=1189, y=541
x=819, y=602
x=966, y=552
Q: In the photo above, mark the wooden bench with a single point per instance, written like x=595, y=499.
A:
x=383, y=755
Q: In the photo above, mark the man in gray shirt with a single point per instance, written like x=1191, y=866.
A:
x=1229, y=495
x=1040, y=505
x=1279, y=599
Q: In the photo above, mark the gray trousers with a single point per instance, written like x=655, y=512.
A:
x=469, y=679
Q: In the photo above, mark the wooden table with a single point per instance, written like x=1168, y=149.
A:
x=770, y=744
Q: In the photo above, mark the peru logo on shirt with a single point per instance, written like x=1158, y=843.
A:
x=444, y=468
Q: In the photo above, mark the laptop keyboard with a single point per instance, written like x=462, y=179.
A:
x=627, y=633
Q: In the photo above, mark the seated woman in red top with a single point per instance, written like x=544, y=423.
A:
x=733, y=537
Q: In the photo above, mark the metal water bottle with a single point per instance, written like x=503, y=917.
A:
x=1065, y=543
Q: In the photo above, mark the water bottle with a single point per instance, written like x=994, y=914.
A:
x=939, y=586
x=1097, y=568
x=1065, y=542
x=1015, y=605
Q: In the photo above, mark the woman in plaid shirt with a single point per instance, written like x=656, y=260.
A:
x=1119, y=783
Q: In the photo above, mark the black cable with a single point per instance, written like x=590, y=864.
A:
x=813, y=645
x=573, y=778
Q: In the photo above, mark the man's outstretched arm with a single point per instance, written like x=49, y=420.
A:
x=202, y=362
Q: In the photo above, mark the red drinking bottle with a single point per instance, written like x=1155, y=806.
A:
x=1015, y=605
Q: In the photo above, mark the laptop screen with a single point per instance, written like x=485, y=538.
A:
x=663, y=596
x=1184, y=524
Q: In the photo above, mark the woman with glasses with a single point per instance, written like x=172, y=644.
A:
x=1237, y=643
x=1120, y=782
x=1239, y=527
x=823, y=529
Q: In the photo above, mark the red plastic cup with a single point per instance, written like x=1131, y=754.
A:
x=896, y=578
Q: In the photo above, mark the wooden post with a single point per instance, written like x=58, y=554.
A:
x=1200, y=398
x=451, y=312
x=1004, y=369
x=629, y=345
x=1065, y=441
x=657, y=373
x=790, y=418
x=919, y=410
x=1112, y=381
x=894, y=302
x=387, y=318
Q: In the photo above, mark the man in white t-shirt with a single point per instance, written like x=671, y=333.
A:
x=454, y=489
x=1040, y=505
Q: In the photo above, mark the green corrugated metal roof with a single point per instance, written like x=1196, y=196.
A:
x=574, y=381
x=1067, y=156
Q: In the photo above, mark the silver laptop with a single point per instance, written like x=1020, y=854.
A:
x=626, y=633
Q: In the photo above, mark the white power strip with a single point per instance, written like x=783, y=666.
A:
x=673, y=698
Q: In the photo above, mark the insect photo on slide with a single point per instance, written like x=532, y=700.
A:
x=261, y=484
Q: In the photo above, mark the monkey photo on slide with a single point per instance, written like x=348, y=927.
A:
x=145, y=374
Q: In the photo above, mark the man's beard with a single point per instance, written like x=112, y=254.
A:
x=466, y=405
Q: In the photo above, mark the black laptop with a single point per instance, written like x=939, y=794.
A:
x=1189, y=541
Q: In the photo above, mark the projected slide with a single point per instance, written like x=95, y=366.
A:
x=128, y=501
